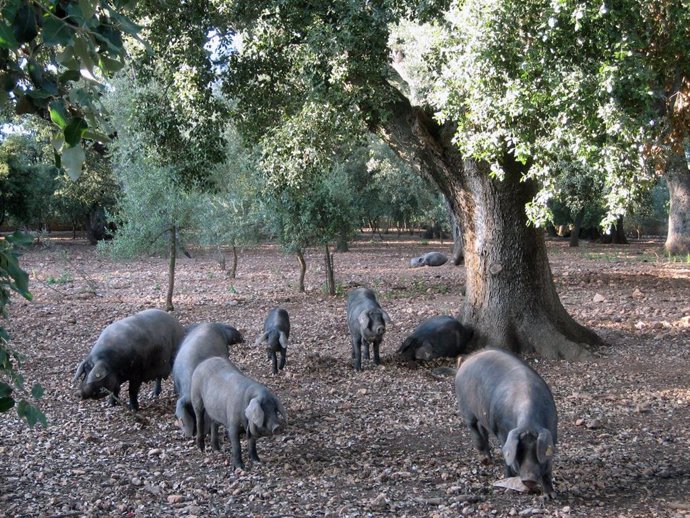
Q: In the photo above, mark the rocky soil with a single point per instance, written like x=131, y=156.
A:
x=384, y=442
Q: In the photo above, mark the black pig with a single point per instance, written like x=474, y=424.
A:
x=276, y=334
x=138, y=348
x=437, y=337
x=223, y=395
x=499, y=393
x=367, y=323
x=201, y=342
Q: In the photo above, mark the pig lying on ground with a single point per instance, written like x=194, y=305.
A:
x=437, y=337
x=499, y=393
x=429, y=259
x=367, y=323
x=201, y=342
x=138, y=348
x=223, y=395
x=276, y=333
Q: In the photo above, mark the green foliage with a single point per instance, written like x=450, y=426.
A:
x=27, y=180
x=566, y=82
x=13, y=278
x=154, y=197
x=230, y=214
x=53, y=58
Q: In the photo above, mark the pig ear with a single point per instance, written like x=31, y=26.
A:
x=99, y=372
x=260, y=339
x=511, y=446
x=254, y=413
x=281, y=410
x=363, y=319
x=283, y=340
x=386, y=318
x=80, y=372
x=545, y=447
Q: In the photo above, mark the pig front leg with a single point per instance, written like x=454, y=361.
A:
x=283, y=358
x=377, y=358
x=215, y=439
x=252, y=449
x=365, y=347
x=274, y=362
x=357, y=352
x=134, y=387
x=113, y=397
x=547, y=486
x=234, y=436
x=480, y=437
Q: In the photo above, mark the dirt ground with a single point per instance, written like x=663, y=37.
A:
x=383, y=442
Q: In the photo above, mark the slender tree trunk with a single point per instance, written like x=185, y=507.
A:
x=233, y=269
x=511, y=301
x=221, y=258
x=341, y=244
x=302, y=270
x=171, y=269
x=575, y=233
x=677, y=177
x=330, y=277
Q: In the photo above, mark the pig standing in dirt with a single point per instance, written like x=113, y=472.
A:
x=223, y=395
x=201, y=342
x=499, y=393
x=367, y=323
x=276, y=334
x=437, y=337
x=138, y=348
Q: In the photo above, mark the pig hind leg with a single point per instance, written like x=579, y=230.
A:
x=357, y=352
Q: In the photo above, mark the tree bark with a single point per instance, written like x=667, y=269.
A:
x=171, y=269
x=575, y=233
x=233, y=270
x=330, y=277
x=458, y=255
x=677, y=177
x=511, y=301
x=302, y=270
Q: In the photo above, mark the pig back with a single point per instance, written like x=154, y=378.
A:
x=202, y=342
x=502, y=392
x=140, y=347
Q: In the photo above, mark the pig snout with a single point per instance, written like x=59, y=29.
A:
x=379, y=330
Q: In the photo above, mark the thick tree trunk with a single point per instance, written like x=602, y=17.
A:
x=330, y=277
x=302, y=270
x=575, y=233
x=677, y=177
x=458, y=254
x=171, y=269
x=511, y=301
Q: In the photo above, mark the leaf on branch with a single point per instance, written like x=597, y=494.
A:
x=72, y=160
x=37, y=391
x=56, y=32
x=32, y=414
x=25, y=28
x=7, y=39
x=74, y=131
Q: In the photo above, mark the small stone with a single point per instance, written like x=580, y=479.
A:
x=598, y=297
x=362, y=392
x=175, y=499
x=579, y=422
x=379, y=503
x=136, y=481
x=637, y=294
x=593, y=424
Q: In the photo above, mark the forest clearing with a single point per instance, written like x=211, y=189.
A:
x=386, y=441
